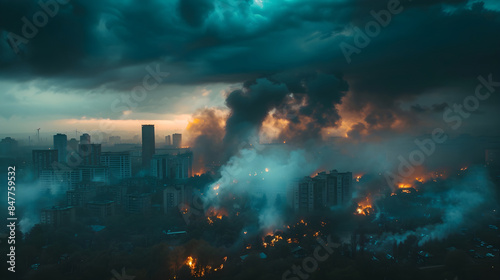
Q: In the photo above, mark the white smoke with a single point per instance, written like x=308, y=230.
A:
x=31, y=199
x=263, y=172
x=461, y=203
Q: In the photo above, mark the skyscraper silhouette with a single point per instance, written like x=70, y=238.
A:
x=85, y=139
x=61, y=145
x=177, y=140
x=148, y=144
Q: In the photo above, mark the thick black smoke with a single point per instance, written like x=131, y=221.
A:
x=312, y=106
x=249, y=107
x=307, y=101
x=204, y=135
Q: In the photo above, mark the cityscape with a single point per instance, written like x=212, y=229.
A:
x=250, y=139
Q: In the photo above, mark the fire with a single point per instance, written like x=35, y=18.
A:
x=201, y=271
x=191, y=262
x=404, y=186
x=185, y=210
x=213, y=213
x=267, y=169
x=274, y=239
x=358, y=177
x=222, y=265
x=364, y=207
x=200, y=172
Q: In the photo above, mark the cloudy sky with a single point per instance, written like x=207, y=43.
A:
x=85, y=64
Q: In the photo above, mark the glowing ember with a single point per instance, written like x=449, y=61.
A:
x=213, y=213
x=404, y=186
x=364, y=207
x=200, y=271
x=272, y=241
x=358, y=177
x=191, y=262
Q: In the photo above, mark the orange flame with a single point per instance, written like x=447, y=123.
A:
x=364, y=207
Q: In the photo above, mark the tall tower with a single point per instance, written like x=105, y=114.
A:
x=177, y=140
x=148, y=144
x=61, y=145
x=85, y=139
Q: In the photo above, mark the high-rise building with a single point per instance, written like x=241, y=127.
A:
x=177, y=140
x=60, y=178
x=169, y=166
x=96, y=174
x=8, y=146
x=90, y=154
x=119, y=164
x=85, y=139
x=73, y=144
x=43, y=159
x=302, y=194
x=148, y=144
x=61, y=145
x=168, y=140
x=322, y=191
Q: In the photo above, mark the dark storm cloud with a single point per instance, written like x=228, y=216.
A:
x=437, y=108
x=429, y=45
x=422, y=50
x=194, y=12
x=216, y=40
